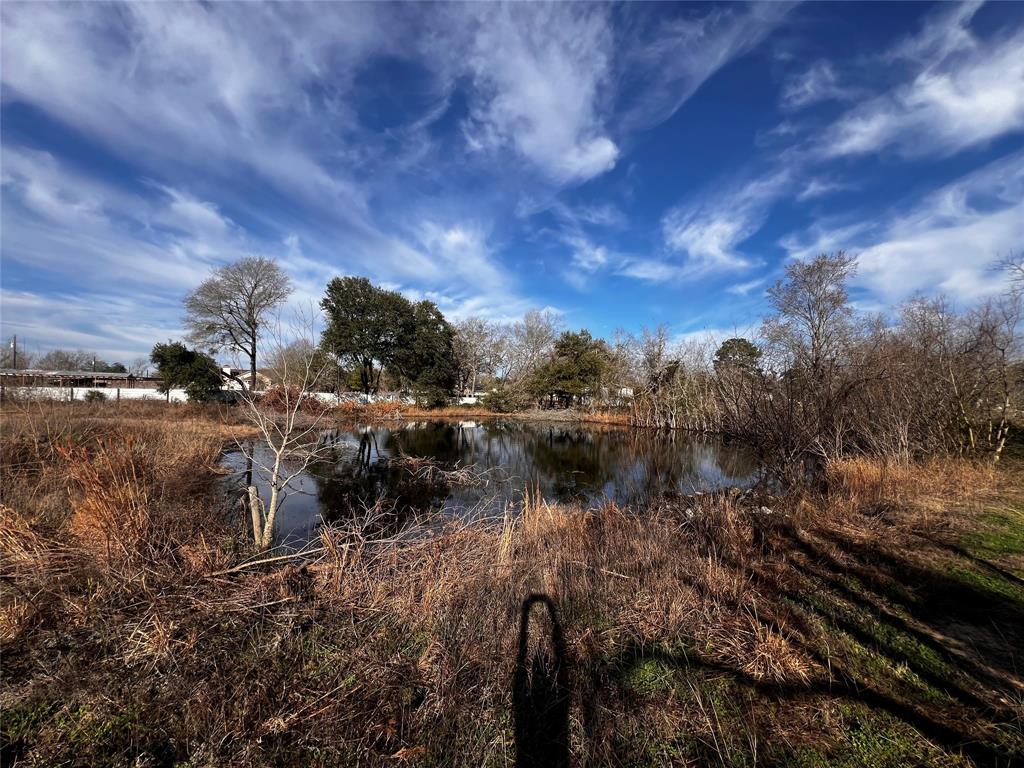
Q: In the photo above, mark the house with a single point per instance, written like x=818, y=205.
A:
x=232, y=377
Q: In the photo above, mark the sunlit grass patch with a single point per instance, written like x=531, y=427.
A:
x=1000, y=534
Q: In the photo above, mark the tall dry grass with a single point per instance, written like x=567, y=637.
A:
x=132, y=632
x=864, y=480
x=92, y=502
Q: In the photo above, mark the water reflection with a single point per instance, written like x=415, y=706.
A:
x=585, y=464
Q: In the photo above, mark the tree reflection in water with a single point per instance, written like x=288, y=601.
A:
x=579, y=463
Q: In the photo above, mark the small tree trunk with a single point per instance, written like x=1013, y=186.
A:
x=268, y=527
x=365, y=376
x=268, y=523
x=257, y=516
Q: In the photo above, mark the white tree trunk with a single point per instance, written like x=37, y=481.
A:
x=257, y=515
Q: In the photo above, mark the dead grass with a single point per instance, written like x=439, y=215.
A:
x=723, y=629
x=865, y=481
x=394, y=411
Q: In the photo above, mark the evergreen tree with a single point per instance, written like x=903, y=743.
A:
x=182, y=368
x=372, y=330
x=575, y=370
x=738, y=353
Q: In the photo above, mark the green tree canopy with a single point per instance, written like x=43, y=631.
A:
x=738, y=353
x=427, y=360
x=366, y=326
x=372, y=329
x=182, y=368
x=575, y=369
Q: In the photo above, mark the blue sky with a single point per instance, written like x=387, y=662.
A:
x=624, y=165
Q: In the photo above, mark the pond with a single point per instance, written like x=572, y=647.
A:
x=407, y=469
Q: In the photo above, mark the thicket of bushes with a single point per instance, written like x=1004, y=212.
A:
x=827, y=383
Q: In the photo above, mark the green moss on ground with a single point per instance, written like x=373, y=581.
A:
x=999, y=537
x=871, y=739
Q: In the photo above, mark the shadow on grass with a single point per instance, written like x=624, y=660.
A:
x=880, y=624
x=540, y=693
x=904, y=613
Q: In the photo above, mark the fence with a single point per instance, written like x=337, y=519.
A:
x=68, y=394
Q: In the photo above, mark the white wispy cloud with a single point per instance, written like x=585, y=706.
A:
x=562, y=85
x=186, y=84
x=215, y=94
x=965, y=93
x=464, y=251
x=538, y=72
x=663, y=67
x=957, y=91
x=742, y=289
x=818, y=83
x=820, y=186
x=650, y=270
x=237, y=119
x=942, y=32
x=708, y=232
x=946, y=241
x=116, y=326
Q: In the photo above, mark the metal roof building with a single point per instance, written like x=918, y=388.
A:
x=37, y=377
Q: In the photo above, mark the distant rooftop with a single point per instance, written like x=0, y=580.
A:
x=69, y=374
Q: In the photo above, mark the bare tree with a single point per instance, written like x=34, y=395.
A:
x=286, y=365
x=988, y=355
x=289, y=424
x=675, y=384
x=228, y=310
x=67, y=360
x=528, y=343
x=477, y=349
x=1013, y=265
x=139, y=366
x=813, y=317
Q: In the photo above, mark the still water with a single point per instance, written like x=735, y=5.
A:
x=565, y=462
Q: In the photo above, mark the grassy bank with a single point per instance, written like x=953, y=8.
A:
x=876, y=624
x=398, y=411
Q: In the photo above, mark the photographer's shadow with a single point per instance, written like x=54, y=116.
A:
x=540, y=693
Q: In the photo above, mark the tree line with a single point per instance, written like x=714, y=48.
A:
x=376, y=340
x=817, y=379
x=65, y=360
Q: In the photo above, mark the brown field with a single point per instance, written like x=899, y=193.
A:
x=877, y=621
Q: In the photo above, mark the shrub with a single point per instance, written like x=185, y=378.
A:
x=432, y=397
x=190, y=369
x=282, y=398
x=93, y=396
x=503, y=401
